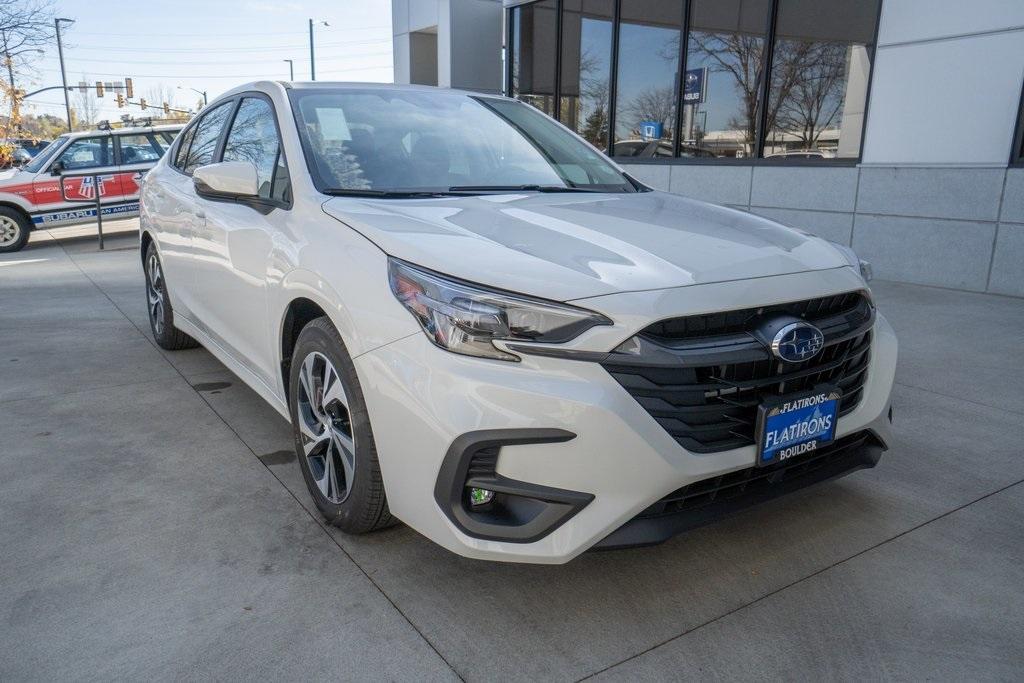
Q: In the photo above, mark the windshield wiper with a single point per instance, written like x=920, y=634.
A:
x=385, y=194
x=519, y=188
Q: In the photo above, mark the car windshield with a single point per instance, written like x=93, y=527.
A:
x=40, y=159
x=390, y=143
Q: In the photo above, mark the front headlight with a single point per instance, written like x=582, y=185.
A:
x=851, y=257
x=466, y=318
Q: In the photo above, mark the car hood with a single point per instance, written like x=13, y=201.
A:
x=13, y=175
x=576, y=245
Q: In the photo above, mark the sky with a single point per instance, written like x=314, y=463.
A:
x=209, y=45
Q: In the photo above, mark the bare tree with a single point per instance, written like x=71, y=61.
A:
x=84, y=108
x=816, y=97
x=25, y=26
x=652, y=104
x=741, y=57
x=594, y=100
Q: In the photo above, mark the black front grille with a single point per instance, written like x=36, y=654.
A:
x=757, y=482
x=740, y=321
x=708, y=374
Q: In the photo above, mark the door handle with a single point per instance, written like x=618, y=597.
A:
x=199, y=213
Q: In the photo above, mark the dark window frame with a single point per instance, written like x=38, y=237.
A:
x=222, y=143
x=757, y=159
x=613, y=97
x=193, y=125
x=1017, y=153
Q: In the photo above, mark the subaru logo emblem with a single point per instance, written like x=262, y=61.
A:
x=797, y=342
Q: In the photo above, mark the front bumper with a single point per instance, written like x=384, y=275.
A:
x=617, y=460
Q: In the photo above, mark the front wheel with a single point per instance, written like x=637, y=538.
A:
x=161, y=315
x=14, y=230
x=333, y=439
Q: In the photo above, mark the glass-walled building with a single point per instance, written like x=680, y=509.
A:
x=707, y=79
x=892, y=126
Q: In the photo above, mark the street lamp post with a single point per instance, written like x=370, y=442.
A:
x=312, y=56
x=291, y=69
x=198, y=92
x=312, y=60
x=63, y=74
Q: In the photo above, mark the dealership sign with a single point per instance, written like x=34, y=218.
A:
x=651, y=130
x=695, y=85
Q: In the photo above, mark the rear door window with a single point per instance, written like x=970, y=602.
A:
x=140, y=148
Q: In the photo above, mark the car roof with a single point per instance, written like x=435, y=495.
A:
x=125, y=131
x=350, y=85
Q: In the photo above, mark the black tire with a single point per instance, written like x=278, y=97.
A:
x=14, y=230
x=363, y=506
x=158, y=305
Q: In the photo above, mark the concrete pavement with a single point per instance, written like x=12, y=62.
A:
x=155, y=524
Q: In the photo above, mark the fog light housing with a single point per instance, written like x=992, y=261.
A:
x=479, y=497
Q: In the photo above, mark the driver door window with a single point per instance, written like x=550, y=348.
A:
x=253, y=138
x=79, y=158
x=87, y=153
x=204, y=144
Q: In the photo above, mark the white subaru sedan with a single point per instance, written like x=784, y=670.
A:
x=479, y=325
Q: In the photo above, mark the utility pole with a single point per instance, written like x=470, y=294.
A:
x=63, y=74
x=291, y=69
x=312, y=59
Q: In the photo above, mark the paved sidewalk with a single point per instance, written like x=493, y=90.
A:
x=155, y=524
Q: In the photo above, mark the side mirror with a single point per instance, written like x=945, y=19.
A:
x=228, y=180
x=57, y=168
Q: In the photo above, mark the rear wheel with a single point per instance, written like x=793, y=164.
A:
x=161, y=315
x=333, y=439
x=14, y=230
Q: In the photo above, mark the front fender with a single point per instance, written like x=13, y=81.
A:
x=356, y=298
x=17, y=201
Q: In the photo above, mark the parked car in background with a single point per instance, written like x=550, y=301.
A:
x=479, y=325
x=18, y=157
x=30, y=196
x=32, y=146
x=801, y=154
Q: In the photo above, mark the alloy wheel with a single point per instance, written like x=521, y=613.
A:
x=10, y=231
x=325, y=426
x=155, y=293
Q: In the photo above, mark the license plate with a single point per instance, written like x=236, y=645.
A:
x=790, y=426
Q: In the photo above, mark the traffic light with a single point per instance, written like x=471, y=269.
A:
x=142, y=103
x=120, y=100
x=167, y=109
x=99, y=88
x=128, y=90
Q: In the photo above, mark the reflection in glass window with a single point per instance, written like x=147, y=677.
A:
x=534, y=42
x=819, y=78
x=182, y=153
x=87, y=153
x=725, y=52
x=586, y=68
x=136, y=149
x=400, y=141
x=204, y=144
x=647, y=78
x=253, y=138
